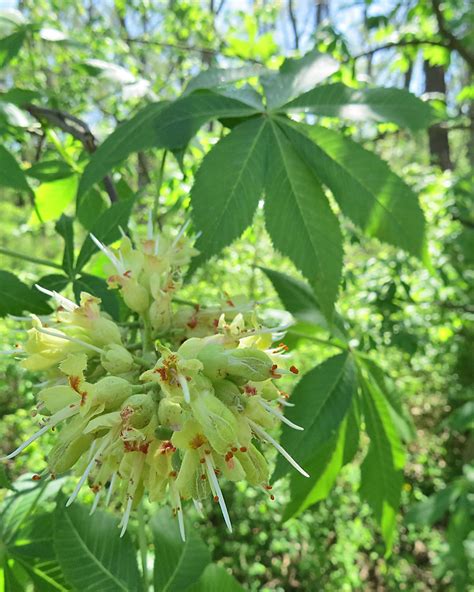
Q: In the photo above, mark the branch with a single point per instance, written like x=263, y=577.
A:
x=78, y=129
x=400, y=43
x=294, y=24
x=191, y=48
x=452, y=41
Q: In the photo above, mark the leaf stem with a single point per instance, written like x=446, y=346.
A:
x=318, y=340
x=36, y=260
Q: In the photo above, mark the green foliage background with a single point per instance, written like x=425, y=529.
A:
x=70, y=75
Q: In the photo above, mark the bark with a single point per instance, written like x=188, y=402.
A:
x=440, y=153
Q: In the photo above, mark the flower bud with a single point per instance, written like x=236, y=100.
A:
x=161, y=313
x=254, y=465
x=116, y=359
x=218, y=423
x=110, y=391
x=135, y=296
x=249, y=363
x=227, y=392
x=170, y=414
x=257, y=413
x=64, y=455
x=142, y=409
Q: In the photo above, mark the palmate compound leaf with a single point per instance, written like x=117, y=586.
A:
x=298, y=298
x=364, y=186
x=322, y=399
x=324, y=467
x=137, y=133
x=300, y=221
x=228, y=186
x=178, y=564
x=160, y=125
x=92, y=555
x=215, y=77
x=382, y=469
x=297, y=76
x=364, y=104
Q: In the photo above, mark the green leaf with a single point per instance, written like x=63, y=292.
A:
x=401, y=418
x=367, y=190
x=49, y=170
x=64, y=227
x=90, y=206
x=11, y=175
x=228, y=186
x=382, y=469
x=98, y=287
x=181, y=120
x=10, y=46
x=53, y=197
x=92, y=555
x=365, y=104
x=19, y=96
x=178, y=564
x=462, y=418
x=214, y=77
x=5, y=482
x=297, y=297
x=300, y=221
x=323, y=470
x=17, y=298
x=216, y=579
x=53, y=281
x=322, y=399
x=138, y=133
x=431, y=510
x=34, y=551
x=296, y=76
x=106, y=229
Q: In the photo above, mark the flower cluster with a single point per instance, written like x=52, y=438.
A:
x=171, y=422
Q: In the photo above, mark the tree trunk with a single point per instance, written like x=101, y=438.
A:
x=438, y=137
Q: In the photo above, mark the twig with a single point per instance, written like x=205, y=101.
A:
x=453, y=41
x=400, y=43
x=77, y=128
x=36, y=260
x=191, y=48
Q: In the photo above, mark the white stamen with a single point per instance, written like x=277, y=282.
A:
x=176, y=499
x=184, y=385
x=89, y=468
x=111, y=488
x=122, y=231
x=213, y=479
x=14, y=350
x=126, y=517
x=263, y=434
x=96, y=502
x=67, y=304
x=149, y=229
x=281, y=417
x=71, y=339
x=108, y=253
x=285, y=403
x=198, y=505
x=180, y=233
x=26, y=443
x=157, y=244
x=53, y=421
